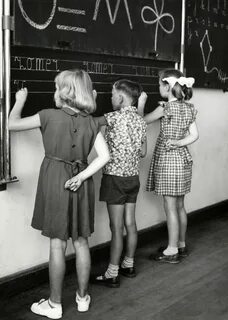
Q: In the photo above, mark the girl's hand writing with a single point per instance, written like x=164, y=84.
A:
x=21, y=95
x=74, y=183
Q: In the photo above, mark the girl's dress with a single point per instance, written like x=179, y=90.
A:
x=171, y=169
x=68, y=138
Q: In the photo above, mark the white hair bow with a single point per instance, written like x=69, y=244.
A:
x=182, y=81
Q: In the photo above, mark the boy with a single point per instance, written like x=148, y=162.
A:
x=126, y=138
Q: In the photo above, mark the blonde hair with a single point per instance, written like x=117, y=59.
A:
x=74, y=88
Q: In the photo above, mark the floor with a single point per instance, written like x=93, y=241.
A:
x=197, y=288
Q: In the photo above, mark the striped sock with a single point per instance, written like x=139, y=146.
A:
x=112, y=271
x=127, y=262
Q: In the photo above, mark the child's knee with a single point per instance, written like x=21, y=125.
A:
x=58, y=244
x=80, y=242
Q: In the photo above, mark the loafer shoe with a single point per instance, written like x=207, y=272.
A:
x=109, y=282
x=183, y=252
x=161, y=257
x=128, y=272
x=44, y=308
x=83, y=302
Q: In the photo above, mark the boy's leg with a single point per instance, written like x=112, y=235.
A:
x=57, y=268
x=131, y=229
x=116, y=216
x=127, y=266
x=83, y=264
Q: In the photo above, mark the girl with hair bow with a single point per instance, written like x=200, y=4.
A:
x=170, y=171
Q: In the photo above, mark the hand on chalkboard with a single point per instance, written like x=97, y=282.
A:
x=94, y=94
x=141, y=102
x=21, y=95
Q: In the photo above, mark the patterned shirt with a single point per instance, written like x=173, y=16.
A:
x=125, y=134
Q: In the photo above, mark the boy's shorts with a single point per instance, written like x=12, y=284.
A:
x=119, y=190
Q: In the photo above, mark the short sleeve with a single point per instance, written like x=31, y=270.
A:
x=44, y=118
x=109, y=117
x=101, y=121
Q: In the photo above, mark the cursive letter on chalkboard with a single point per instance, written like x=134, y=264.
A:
x=158, y=16
x=113, y=18
x=34, y=24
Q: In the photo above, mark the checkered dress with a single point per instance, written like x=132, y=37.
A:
x=171, y=170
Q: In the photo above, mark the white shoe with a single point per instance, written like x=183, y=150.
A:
x=83, y=302
x=44, y=308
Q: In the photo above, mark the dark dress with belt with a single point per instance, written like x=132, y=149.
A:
x=68, y=138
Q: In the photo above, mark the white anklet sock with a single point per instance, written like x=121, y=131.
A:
x=169, y=251
x=181, y=244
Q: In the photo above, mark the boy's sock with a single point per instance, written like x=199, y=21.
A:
x=112, y=271
x=181, y=244
x=127, y=262
x=169, y=251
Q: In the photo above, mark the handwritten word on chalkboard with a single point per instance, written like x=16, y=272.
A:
x=139, y=28
x=36, y=70
x=206, y=42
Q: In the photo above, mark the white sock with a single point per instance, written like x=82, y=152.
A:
x=181, y=244
x=127, y=262
x=169, y=251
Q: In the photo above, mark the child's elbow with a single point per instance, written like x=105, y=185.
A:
x=107, y=158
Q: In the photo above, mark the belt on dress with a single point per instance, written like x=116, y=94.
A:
x=77, y=165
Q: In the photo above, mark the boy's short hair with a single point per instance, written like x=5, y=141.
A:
x=130, y=88
x=76, y=90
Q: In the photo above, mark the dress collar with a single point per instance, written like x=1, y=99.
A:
x=71, y=112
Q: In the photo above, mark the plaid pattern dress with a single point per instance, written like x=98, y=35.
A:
x=171, y=169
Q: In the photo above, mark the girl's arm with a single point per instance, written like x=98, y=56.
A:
x=16, y=123
x=154, y=115
x=190, y=138
x=102, y=158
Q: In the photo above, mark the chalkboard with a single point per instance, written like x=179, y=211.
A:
x=206, y=43
x=132, y=28
x=36, y=69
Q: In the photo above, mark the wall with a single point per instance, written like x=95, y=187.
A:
x=21, y=247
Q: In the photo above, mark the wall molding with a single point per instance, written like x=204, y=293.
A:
x=33, y=277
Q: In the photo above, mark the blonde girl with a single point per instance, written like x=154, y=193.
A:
x=64, y=206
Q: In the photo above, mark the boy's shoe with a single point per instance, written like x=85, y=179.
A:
x=128, y=272
x=44, y=308
x=109, y=282
x=83, y=302
x=183, y=252
x=161, y=257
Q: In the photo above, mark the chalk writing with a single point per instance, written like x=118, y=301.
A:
x=35, y=64
x=206, y=41
x=113, y=17
x=157, y=21
x=41, y=26
x=154, y=20
x=222, y=76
